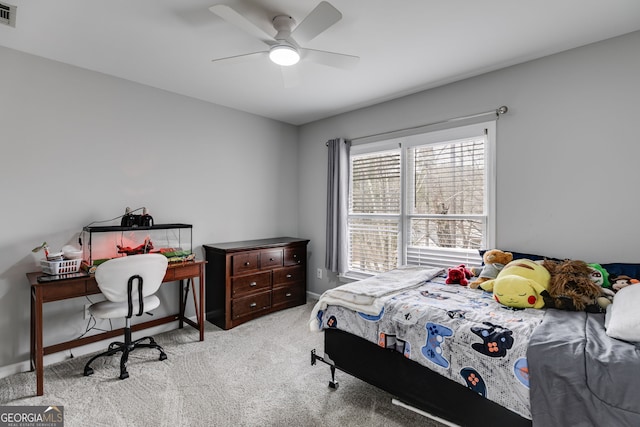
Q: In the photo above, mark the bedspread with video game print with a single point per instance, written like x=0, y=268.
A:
x=461, y=333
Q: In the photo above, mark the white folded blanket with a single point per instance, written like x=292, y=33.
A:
x=369, y=295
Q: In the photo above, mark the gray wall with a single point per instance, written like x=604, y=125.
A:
x=79, y=146
x=567, y=152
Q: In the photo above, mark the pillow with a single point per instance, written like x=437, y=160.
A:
x=622, y=320
x=521, y=255
x=616, y=269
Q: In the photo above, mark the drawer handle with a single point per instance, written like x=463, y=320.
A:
x=295, y=256
x=253, y=305
x=288, y=294
x=270, y=259
x=289, y=276
x=252, y=284
x=247, y=264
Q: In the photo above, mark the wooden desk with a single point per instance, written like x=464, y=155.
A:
x=77, y=287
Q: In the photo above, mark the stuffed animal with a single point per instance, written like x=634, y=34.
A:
x=599, y=275
x=571, y=287
x=622, y=281
x=458, y=275
x=467, y=272
x=522, y=283
x=494, y=261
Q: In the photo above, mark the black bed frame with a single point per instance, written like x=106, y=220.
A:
x=411, y=383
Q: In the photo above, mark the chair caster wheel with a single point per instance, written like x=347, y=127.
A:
x=124, y=375
x=333, y=385
x=163, y=356
x=88, y=371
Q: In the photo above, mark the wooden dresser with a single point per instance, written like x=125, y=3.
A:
x=249, y=279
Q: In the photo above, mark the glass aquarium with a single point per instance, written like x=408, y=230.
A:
x=106, y=242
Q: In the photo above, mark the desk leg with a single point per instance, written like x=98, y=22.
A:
x=182, y=304
x=198, y=302
x=37, y=351
x=195, y=303
x=200, y=313
x=32, y=335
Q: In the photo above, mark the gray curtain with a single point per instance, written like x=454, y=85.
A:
x=337, y=205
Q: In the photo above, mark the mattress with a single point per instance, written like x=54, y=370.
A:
x=460, y=333
x=582, y=377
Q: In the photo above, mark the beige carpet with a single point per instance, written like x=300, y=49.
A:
x=257, y=374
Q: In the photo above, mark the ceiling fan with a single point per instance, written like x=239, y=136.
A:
x=285, y=48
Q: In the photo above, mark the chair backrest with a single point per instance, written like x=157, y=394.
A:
x=113, y=275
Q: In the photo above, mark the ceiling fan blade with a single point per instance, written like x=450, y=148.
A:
x=232, y=16
x=320, y=18
x=241, y=58
x=331, y=59
x=290, y=77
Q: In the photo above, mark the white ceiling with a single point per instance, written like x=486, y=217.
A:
x=404, y=46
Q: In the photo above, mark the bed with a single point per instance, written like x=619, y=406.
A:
x=458, y=355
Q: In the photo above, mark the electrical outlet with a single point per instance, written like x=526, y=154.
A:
x=86, y=311
x=319, y=273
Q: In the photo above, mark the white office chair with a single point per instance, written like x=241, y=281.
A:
x=128, y=284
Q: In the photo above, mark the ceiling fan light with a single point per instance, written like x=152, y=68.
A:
x=284, y=55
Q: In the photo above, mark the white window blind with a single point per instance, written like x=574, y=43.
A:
x=427, y=203
x=374, y=207
x=446, y=202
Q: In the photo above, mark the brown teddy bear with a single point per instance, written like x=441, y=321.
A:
x=571, y=287
x=494, y=261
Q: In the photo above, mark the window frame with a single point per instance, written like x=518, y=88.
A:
x=425, y=137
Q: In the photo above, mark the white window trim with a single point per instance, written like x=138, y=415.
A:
x=421, y=137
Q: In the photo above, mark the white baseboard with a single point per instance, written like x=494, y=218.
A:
x=313, y=296
x=16, y=368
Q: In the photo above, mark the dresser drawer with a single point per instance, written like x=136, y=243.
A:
x=250, y=304
x=295, y=255
x=271, y=258
x=245, y=262
x=293, y=294
x=252, y=283
x=288, y=275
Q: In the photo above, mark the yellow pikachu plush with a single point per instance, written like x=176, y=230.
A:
x=522, y=283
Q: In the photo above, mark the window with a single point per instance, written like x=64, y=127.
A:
x=374, y=205
x=423, y=199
